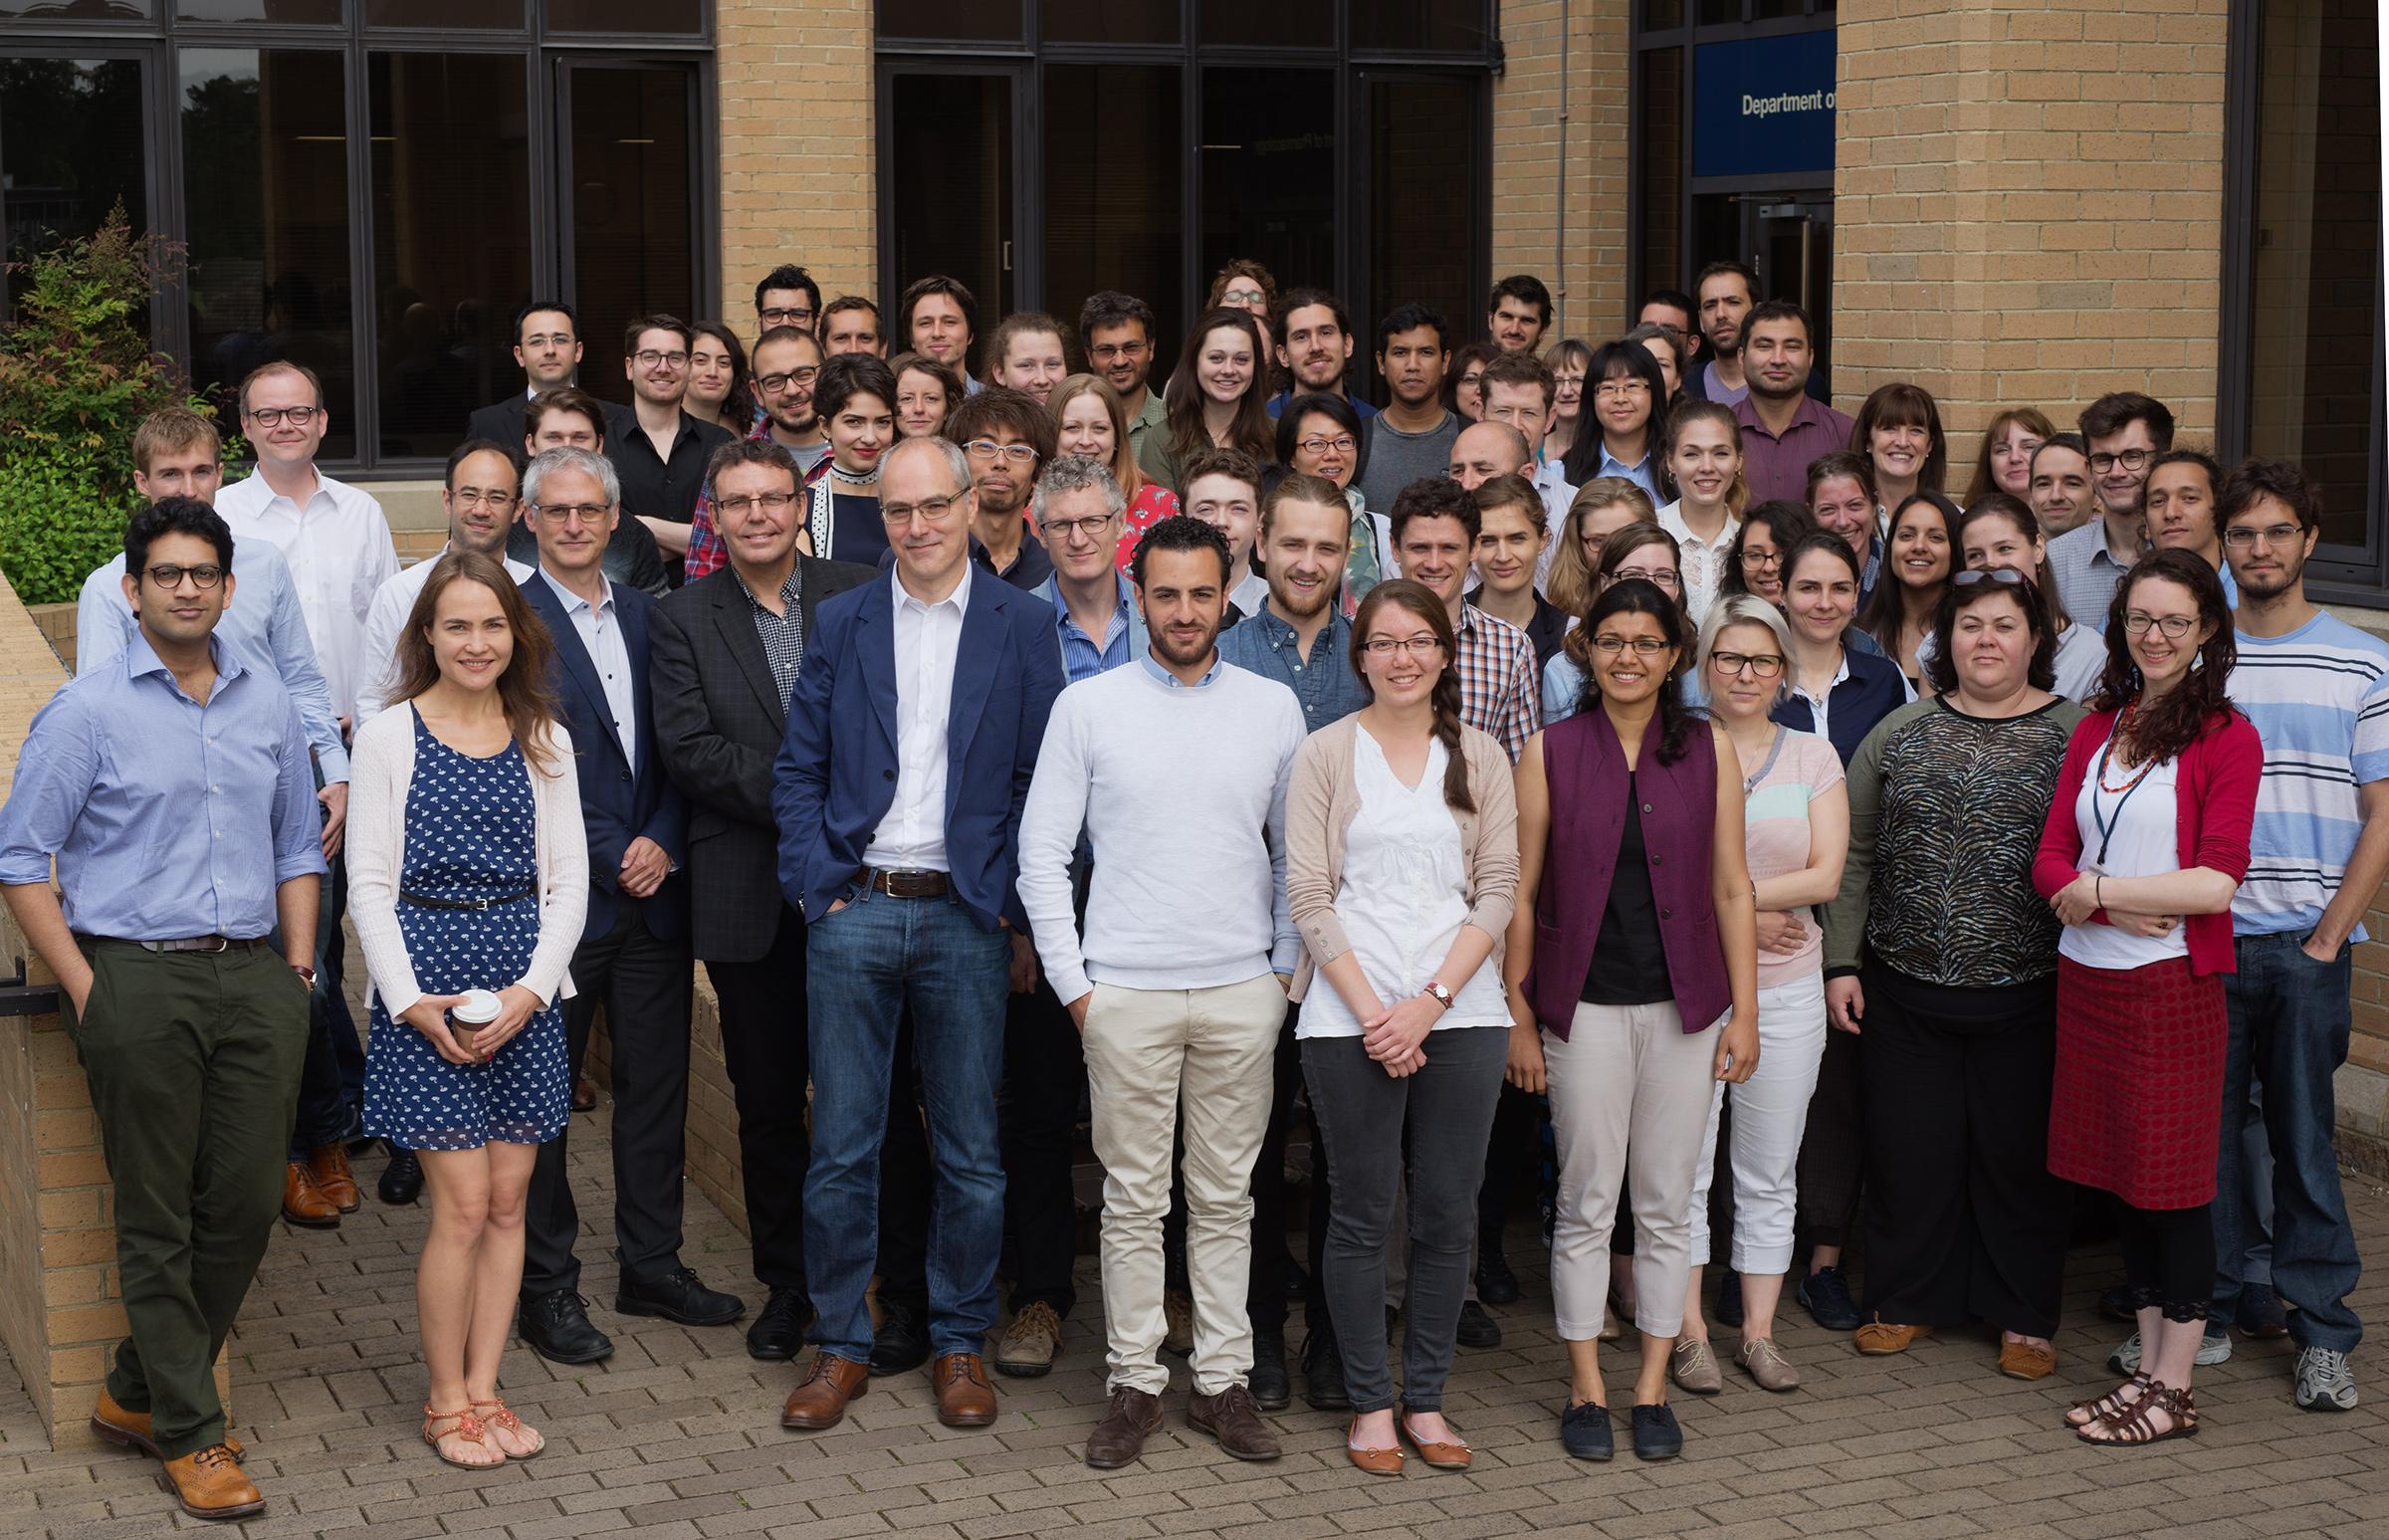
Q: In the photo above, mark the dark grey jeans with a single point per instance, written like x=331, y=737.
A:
x=1448, y=1108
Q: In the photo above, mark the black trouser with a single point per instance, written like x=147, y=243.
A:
x=1965, y=1223
x=2169, y=1258
x=1044, y=1078
x=764, y=1048
x=1513, y=1158
x=903, y=1183
x=1833, y=1152
x=1265, y=1301
x=332, y=1086
x=644, y=982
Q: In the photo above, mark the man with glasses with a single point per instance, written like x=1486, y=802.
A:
x=1007, y=436
x=725, y=653
x=2318, y=691
x=1520, y=391
x=658, y=450
x=171, y=788
x=1412, y=436
x=2123, y=432
x=478, y=492
x=787, y=362
x=1314, y=348
x=547, y=351
x=633, y=959
x=898, y=791
x=786, y=297
x=851, y=325
x=1115, y=330
x=937, y=316
x=1670, y=309
x=337, y=547
x=571, y=418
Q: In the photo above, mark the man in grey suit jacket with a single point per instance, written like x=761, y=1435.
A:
x=725, y=652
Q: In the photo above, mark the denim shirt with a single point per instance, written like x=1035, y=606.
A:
x=1324, y=683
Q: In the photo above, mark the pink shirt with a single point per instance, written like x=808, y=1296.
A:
x=1775, y=830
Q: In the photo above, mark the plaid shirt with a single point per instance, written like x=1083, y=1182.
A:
x=708, y=551
x=1498, y=690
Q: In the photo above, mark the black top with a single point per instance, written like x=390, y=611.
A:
x=1030, y=564
x=1630, y=965
x=660, y=488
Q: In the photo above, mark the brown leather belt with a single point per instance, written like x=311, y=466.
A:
x=905, y=884
x=184, y=943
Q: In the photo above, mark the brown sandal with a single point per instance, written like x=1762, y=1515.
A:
x=2133, y=1426
x=467, y=1426
x=2100, y=1408
x=504, y=1417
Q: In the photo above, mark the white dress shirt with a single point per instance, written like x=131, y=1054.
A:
x=600, y=631
x=340, y=553
x=393, y=602
x=929, y=637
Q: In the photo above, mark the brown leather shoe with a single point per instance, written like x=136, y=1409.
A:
x=1374, y=1462
x=1231, y=1417
x=1120, y=1438
x=1879, y=1336
x=964, y=1397
x=2027, y=1360
x=304, y=1203
x=210, y=1485
x=584, y=1094
x=329, y=1166
x=820, y=1402
x=1455, y=1455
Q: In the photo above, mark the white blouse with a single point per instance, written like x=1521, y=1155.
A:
x=1403, y=898
x=2144, y=841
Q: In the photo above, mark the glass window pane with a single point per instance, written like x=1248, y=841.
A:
x=289, y=13
x=451, y=239
x=950, y=204
x=265, y=139
x=1662, y=109
x=675, y=18
x=1449, y=25
x=1110, y=21
x=1718, y=12
x=71, y=149
x=2314, y=296
x=1113, y=182
x=633, y=223
x=1423, y=201
x=1658, y=15
x=964, y=20
x=1285, y=23
x=463, y=15
x=41, y=11
x=1269, y=172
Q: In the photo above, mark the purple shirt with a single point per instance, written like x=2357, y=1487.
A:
x=1777, y=466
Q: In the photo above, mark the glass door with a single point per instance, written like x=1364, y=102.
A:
x=949, y=139
x=1795, y=248
x=627, y=178
x=1421, y=164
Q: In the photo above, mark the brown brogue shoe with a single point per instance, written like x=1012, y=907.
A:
x=964, y=1397
x=304, y=1203
x=820, y=1402
x=1232, y=1418
x=1120, y=1438
x=132, y=1429
x=329, y=1164
x=210, y=1485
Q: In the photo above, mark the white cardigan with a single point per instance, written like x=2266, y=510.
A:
x=381, y=766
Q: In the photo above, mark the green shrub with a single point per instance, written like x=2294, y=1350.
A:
x=77, y=376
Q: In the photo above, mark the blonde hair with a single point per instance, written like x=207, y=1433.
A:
x=1570, y=583
x=1124, y=460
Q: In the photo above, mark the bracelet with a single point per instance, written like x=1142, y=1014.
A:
x=2097, y=890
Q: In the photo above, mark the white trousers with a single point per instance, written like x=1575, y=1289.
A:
x=1771, y=1109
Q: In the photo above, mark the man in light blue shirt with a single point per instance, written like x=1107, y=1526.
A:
x=172, y=789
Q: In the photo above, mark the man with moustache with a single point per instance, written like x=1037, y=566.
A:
x=548, y=349
x=2176, y=510
x=1171, y=1015
x=1006, y=434
x=2123, y=432
x=1314, y=346
x=851, y=325
x=1412, y=436
x=1518, y=314
x=2061, y=484
x=1115, y=330
x=1784, y=426
x=786, y=364
x=1725, y=292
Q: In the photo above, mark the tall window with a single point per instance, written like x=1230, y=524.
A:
x=71, y=149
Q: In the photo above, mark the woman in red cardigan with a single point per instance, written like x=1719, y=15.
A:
x=2146, y=840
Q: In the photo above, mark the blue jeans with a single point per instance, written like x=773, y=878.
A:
x=2289, y=1022
x=864, y=966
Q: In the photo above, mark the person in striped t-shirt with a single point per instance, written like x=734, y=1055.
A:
x=2317, y=690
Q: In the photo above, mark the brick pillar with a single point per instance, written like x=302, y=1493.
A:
x=2029, y=201
x=1531, y=223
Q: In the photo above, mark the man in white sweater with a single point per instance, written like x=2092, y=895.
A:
x=1177, y=770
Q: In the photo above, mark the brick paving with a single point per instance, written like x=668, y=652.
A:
x=677, y=1435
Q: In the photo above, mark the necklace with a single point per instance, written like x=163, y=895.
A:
x=852, y=478
x=2123, y=727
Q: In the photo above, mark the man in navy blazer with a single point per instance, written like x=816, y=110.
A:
x=633, y=958
x=911, y=734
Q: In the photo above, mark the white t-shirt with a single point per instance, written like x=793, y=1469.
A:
x=2141, y=839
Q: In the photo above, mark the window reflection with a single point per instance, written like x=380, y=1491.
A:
x=1111, y=194
x=1269, y=172
x=1422, y=200
x=633, y=217
x=71, y=149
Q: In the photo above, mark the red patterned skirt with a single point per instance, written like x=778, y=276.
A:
x=2137, y=1106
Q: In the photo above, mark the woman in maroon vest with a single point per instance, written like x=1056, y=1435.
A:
x=1642, y=943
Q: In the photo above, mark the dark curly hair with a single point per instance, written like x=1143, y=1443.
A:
x=1634, y=597
x=2178, y=717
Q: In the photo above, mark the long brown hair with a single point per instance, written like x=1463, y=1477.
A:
x=1421, y=602
x=2036, y=422
x=1182, y=399
x=1124, y=456
x=2183, y=713
x=523, y=689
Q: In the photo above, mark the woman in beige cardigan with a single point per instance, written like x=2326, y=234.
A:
x=1401, y=862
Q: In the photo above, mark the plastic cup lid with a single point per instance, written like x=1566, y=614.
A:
x=480, y=1006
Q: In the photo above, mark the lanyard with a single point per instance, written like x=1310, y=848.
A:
x=2107, y=825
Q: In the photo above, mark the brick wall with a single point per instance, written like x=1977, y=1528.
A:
x=798, y=168
x=2028, y=196
x=1530, y=223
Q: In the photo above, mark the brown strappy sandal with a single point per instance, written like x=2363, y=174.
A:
x=504, y=1417
x=2131, y=1427
x=2100, y=1408
x=467, y=1426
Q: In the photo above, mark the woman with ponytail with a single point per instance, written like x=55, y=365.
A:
x=1401, y=861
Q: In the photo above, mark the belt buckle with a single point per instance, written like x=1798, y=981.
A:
x=223, y=944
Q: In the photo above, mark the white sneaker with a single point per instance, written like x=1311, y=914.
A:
x=2215, y=1348
x=2324, y=1381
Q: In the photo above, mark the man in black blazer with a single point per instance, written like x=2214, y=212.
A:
x=725, y=653
x=547, y=347
x=633, y=958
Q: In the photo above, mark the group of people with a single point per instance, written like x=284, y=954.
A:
x=1613, y=746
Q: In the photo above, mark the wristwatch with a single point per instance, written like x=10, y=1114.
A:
x=307, y=975
x=1440, y=994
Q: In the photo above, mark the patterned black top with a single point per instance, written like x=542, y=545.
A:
x=1945, y=812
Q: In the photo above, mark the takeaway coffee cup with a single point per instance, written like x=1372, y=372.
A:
x=478, y=1008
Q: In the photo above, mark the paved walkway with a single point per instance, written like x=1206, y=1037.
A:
x=678, y=1437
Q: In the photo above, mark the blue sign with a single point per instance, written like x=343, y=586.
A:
x=1763, y=106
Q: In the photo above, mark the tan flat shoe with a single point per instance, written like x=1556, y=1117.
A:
x=1453, y=1455
x=1375, y=1462
x=1879, y=1336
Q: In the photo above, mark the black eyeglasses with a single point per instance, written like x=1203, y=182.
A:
x=774, y=384
x=276, y=416
x=169, y=576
